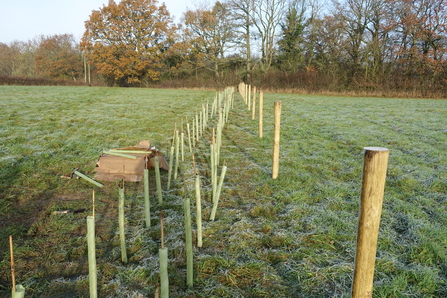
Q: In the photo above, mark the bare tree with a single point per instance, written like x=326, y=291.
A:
x=242, y=11
x=378, y=35
x=355, y=15
x=314, y=8
x=211, y=32
x=266, y=18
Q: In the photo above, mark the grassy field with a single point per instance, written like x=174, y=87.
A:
x=290, y=237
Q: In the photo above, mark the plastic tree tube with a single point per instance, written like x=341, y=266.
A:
x=193, y=133
x=147, y=204
x=198, y=212
x=182, y=143
x=158, y=180
x=19, y=293
x=188, y=240
x=164, y=279
x=120, y=154
x=92, y=274
x=130, y=151
x=163, y=259
x=171, y=161
x=121, y=225
x=213, y=172
x=88, y=179
x=177, y=139
x=189, y=137
x=219, y=189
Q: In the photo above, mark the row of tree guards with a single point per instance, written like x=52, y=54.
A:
x=373, y=183
x=193, y=135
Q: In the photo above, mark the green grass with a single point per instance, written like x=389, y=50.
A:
x=290, y=237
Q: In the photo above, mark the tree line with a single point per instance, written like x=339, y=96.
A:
x=366, y=44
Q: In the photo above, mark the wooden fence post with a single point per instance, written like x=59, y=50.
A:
x=249, y=98
x=277, y=125
x=253, y=112
x=373, y=186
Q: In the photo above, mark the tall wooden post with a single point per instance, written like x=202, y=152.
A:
x=253, y=112
x=249, y=98
x=277, y=127
x=373, y=186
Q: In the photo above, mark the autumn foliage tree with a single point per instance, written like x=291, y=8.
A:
x=126, y=41
x=58, y=57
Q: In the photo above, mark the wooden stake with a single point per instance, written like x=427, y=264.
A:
x=157, y=292
x=253, y=112
x=261, y=114
x=373, y=186
x=277, y=125
x=13, y=266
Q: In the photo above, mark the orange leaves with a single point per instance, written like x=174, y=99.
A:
x=58, y=57
x=126, y=40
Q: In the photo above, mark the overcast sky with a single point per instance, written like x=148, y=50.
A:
x=25, y=19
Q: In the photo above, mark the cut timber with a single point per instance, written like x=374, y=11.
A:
x=111, y=167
